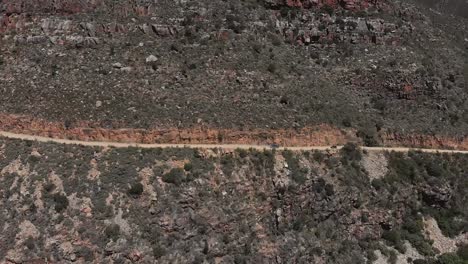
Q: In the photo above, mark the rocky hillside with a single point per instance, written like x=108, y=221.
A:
x=292, y=72
x=377, y=65
x=452, y=7
x=64, y=204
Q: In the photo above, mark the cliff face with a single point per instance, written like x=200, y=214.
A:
x=91, y=205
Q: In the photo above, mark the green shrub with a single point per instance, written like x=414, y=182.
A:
x=33, y=159
x=61, y=202
x=318, y=156
x=319, y=185
x=49, y=187
x=450, y=258
x=136, y=189
x=112, y=232
x=393, y=238
x=298, y=223
x=449, y=221
x=29, y=243
x=85, y=253
x=101, y=210
x=463, y=252
x=412, y=231
x=392, y=259
x=379, y=104
x=361, y=13
x=421, y=261
x=329, y=189
x=419, y=243
x=227, y=162
x=434, y=169
x=257, y=47
x=158, y=251
x=413, y=225
x=371, y=256
x=188, y=166
x=328, y=9
x=174, y=176
x=298, y=174
x=369, y=136
x=378, y=184
x=350, y=152
x=235, y=23
x=275, y=40
x=272, y=68
x=242, y=153
x=405, y=169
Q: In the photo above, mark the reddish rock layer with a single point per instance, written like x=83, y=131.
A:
x=347, y=4
x=425, y=141
x=323, y=135
x=311, y=136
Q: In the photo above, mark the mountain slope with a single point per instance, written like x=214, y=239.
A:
x=373, y=65
x=66, y=204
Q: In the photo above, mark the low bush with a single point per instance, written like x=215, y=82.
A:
x=450, y=221
x=242, y=153
x=393, y=238
x=188, y=166
x=369, y=136
x=318, y=156
x=136, y=189
x=49, y=187
x=350, y=152
x=175, y=176
x=29, y=243
x=61, y=202
x=378, y=184
x=329, y=189
x=463, y=252
x=298, y=174
x=450, y=258
x=158, y=251
x=112, y=232
x=85, y=253
x=405, y=170
x=328, y=9
x=227, y=164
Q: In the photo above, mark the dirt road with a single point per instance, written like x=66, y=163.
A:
x=206, y=146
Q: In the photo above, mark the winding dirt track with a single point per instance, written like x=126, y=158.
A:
x=206, y=146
